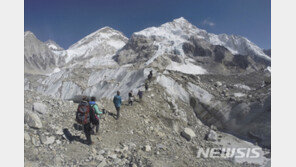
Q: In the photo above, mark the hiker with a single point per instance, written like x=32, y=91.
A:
x=95, y=113
x=140, y=94
x=130, y=98
x=150, y=76
x=117, y=103
x=146, y=86
x=83, y=118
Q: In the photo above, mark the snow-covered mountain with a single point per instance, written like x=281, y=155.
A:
x=180, y=46
x=180, y=30
x=96, y=49
x=39, y=59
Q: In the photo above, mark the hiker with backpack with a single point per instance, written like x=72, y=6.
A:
x=95, y=113
x=130, y=98
x=83, y=118
x=140, y=94
x=150, y=76
x=117, y=103
x=146, y=86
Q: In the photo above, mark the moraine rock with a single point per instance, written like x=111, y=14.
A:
x=47, y=140
x=27, y=137
x=40, y=108
x=102, y=164
x=35, y=141
x=100, y=158
x=188, y=134
x=218, y=84
x=212, y=136
x=33, y=120
x=101, y=152
x=147, y=148
x=112, y=156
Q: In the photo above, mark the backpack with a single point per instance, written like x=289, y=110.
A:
x=82, y=114
x=93, y=117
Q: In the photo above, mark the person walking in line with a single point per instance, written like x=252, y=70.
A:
x=117, y=103
x=140, y=94
x=150, y=76
x=146, y=86
x=95, y=113
x=130, y=98
x=83, y=118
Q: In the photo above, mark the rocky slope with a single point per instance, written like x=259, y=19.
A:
x=149, y=133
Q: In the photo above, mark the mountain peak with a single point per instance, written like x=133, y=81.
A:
x=29, y=33
x=99, y=35
x=105, y=29
x=180, y=20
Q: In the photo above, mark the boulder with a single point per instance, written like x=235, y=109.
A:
x=212, y=136
x=218, y=84
x=112, y=156
x=213, y=127
x=103, y=163
x=188, y=134
x=147, y=148
x=47, y=140
x=33, y=120
x=35, y=141
x=101, y=152
x=40, y=108
x=100, y=158
x=27, y=137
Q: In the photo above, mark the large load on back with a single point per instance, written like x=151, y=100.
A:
x=83, y=113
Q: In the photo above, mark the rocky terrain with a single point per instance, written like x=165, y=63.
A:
x=149, y=133
x=208, y=91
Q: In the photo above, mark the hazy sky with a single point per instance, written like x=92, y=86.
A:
x=67, y=21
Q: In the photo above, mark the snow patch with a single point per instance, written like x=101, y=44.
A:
x=173, y=88
x=116, y=44
x=51, y=46
x=186, y=68
x=202, y=95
